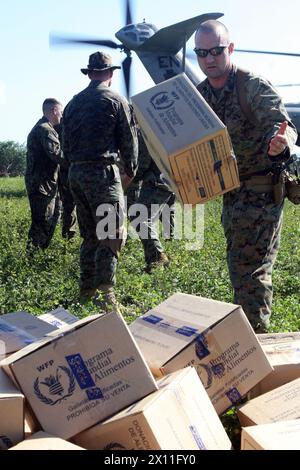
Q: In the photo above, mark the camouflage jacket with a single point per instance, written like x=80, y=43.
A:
x=43, y=157
x=250, y=140
x=148, y=171
x=98, y=124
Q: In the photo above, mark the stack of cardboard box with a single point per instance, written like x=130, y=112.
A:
x=270, y=419
x=90, y=381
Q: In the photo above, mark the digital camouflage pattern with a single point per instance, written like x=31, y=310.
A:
x=66, y=201
x=251, y=220
x=250, y=140
x=68, y=205
x=43, y=158
x=156, y=196
x=98, y=125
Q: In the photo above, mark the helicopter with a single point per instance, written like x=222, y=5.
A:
x=163, y=52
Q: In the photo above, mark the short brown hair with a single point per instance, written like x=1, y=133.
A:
x=49, y=104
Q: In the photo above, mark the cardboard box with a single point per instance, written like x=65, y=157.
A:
x=18, y=329
x=44, y=441
x=11, y=413
x=276, y=436
x=281, y=404
x=81, y=374
x=283, y=352
x=59, y=317
x=187, y=140
x=179, y=416
x=214, y=337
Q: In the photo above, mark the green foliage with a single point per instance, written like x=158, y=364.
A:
x=12, y=158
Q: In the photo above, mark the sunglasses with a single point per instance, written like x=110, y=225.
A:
x=214, y=51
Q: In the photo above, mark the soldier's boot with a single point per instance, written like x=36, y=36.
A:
x=161, y=261
x=105, y=299
x=86, y=295
x=260, y=328
x=69, y=235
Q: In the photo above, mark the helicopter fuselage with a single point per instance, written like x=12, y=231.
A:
x=161, y=65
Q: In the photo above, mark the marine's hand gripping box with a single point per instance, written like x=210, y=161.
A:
x=187, y=140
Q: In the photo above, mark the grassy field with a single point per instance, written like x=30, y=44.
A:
x=51, y=278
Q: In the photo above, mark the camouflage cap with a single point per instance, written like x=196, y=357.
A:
x=99, y=62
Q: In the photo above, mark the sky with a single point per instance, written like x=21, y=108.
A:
x=31, y=70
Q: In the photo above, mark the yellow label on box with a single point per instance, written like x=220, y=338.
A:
x=205, y=170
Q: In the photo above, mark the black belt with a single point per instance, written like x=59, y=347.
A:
x=254, y=175
x=94, y=162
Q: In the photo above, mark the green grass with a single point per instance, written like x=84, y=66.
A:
x=50, y=279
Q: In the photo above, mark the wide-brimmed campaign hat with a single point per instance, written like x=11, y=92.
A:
x=99, y=62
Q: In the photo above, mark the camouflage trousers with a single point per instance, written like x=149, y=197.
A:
x=68, y=205
x=132, y=193
x=94, y=185
x=160, y=205
x=44, y=217
x=252, y=225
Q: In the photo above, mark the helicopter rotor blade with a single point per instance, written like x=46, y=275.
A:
x=60, y=40
x=291, y=54
x=126, y=66
x=288, y=84
x=128, y=13
x=192, y=55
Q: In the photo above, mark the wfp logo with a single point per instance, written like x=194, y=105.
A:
x=205, y=374
x=162, y=101
x=56, y=387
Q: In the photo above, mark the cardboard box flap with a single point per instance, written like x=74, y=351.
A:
x=13, y=338
x=283, y=353
x=281, y=348
x=58, y=317
x=205, y=312
x=284, y=435
x=29, y=323
x=45, y=340
x=74, y=326
x=19, y=329
x=280, y=404
x=45, y=441
x=175, y=323
x=276, y=338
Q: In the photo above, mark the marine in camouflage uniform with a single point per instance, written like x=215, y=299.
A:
x=65, y=199
x=43, y=158
x=68, y=218
x=251, y=218
x=97, y=125
x=154, y=192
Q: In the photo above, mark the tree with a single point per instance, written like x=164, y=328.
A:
x=12, y=158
